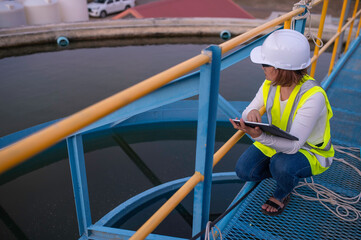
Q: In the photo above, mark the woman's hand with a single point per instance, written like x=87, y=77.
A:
x=253, y=132
x=254, y=116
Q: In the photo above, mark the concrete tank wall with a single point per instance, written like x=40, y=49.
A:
x=73, y=10
x=39, y=12
x=12, y=14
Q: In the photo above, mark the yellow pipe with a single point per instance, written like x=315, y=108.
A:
x=334, y=37
x=39, y=141
x=234, y=42
x=231, y=142
x=319, y=35
x=287, y=24
x=351, y=26
x=358, y=28
x=337, y=39
x=167, y=207
x=227, y=146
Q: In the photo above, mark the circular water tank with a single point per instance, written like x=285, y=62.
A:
x=42, y=11
x=12, y=14
x=73, y=11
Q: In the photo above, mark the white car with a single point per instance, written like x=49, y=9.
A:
x=101, y=8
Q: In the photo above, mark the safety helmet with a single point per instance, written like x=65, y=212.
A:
x=283, y=49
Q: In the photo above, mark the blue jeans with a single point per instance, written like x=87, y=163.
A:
x=286, y=169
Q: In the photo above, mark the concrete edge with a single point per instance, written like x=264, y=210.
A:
x=133, y=28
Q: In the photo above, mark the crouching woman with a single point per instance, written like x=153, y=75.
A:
x=295, y=103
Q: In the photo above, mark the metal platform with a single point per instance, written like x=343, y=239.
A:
x=344, y=92
x=301, y=219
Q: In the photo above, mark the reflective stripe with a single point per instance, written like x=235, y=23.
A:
x=268, y=101
x=304, y=88
x=320, y=157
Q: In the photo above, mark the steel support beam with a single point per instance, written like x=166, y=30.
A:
x=207, y=114
x=80, y=186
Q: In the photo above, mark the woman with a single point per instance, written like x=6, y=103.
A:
x=295, y=103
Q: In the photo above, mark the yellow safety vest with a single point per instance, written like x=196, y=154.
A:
x=320, y=156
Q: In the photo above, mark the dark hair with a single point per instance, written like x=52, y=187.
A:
x=286, y=78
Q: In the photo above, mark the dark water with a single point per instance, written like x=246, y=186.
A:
x=45, y=86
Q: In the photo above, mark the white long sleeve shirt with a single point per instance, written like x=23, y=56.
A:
x=309, y=123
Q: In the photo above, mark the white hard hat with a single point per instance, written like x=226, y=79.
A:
x=284, y=49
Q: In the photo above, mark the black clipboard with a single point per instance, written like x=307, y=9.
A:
x=270, y=129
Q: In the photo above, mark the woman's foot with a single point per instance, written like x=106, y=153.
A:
x=273, y=207
x=269, y=208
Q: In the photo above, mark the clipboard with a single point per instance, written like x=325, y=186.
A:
x=270, y=129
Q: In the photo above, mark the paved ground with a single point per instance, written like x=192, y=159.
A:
x=263, y=8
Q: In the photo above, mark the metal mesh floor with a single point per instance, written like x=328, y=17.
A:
x=345, y=97
x=301, y=219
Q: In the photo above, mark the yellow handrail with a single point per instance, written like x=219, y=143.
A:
x=358, y=28
x=234, y=42
x=337, y=39
x=167, y=207
x=231, y=44
x=334, y=37
x=351, y=27
x=287, y=24
x=319, y=36
x=230, y=143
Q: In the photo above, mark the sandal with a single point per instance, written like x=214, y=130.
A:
x=279, y=209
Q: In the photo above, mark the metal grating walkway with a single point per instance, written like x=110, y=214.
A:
x=309, y=219
x=301, y=219
x=345, y=97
